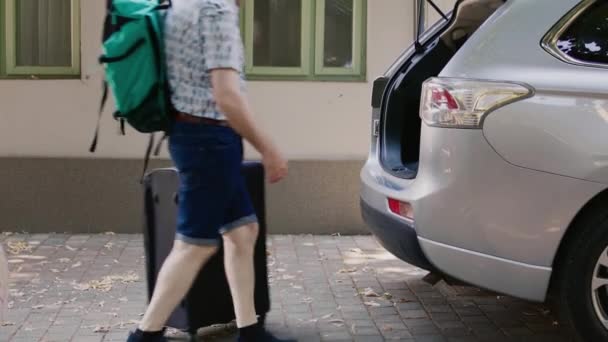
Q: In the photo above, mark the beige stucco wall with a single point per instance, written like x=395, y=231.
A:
x=311, y=120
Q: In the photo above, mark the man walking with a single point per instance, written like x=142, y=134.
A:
x=205, y=69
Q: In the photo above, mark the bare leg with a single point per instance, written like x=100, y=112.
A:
x=174, y=280
x=239, y=247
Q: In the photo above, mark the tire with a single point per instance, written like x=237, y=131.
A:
x=580, y=306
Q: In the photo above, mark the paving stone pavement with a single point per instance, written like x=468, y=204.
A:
x=91, y=288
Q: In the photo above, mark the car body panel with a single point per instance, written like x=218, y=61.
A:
x=558, y=133
x=562, y=128
x=498, y=274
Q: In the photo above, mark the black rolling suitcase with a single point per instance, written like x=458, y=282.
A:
x=209, y=301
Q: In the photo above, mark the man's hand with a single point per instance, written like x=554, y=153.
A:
x=275, y=165
x=230, y=100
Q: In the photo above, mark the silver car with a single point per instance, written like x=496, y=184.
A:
x=489, y=153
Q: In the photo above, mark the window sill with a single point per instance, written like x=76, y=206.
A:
x=286, y=78
x=40, y=78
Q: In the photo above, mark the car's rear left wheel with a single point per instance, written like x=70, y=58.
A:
x=583, y=278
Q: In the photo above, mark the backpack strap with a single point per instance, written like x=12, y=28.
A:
x=160, y=144
x=147, y=157
x=102, y=105
x=149, y=152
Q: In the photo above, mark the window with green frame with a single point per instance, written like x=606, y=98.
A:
x=305, y=39
x=39, y=38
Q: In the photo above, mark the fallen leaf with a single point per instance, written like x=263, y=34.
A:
x=64, y=260
x=105, y=284
x=37, y=307
x=387, y=295
x=54, y=270
x=70, y=248
x=403, y=300
x=327, y=316
x=101, y=329
x=78, y=264
x=18, y=247
x=109, y=245
x=356, y=250
x=387, y=327
x=14, y=293
x=348, y=270
x=373, y=304
x=81, y=287
x=6, y=324
x=102, y=303
x=306, y=300
x=369, y=292
x=338, y=322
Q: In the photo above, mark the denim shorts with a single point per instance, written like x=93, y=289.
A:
x=212, y=196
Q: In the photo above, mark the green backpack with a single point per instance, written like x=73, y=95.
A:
x=135, y=70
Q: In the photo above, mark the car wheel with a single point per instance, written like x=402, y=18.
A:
x=583, y=278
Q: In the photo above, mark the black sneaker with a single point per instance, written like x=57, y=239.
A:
x=264, y=336
x=138, y=336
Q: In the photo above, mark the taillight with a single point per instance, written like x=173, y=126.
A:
x=462, y=103
x=403, y=209
x=443, y=98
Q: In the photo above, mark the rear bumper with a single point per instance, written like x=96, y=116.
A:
x=396, y=236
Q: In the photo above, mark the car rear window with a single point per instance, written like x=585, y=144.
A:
x=585, y=39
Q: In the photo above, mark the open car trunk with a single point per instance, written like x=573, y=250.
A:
x=400, y=123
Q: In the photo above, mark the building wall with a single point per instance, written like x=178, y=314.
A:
x=56, y=184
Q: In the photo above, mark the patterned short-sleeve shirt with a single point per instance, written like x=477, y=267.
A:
x=201, y=35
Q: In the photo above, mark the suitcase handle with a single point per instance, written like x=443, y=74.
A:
x=176, y=198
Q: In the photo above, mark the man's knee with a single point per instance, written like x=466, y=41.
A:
x=194, y=250
x=242, y=238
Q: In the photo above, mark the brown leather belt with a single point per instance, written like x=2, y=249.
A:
x=183, y=117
